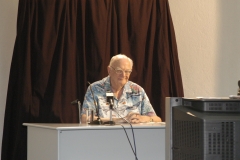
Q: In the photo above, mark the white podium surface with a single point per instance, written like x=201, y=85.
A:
x=61, y=141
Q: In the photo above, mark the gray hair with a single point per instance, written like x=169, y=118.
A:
x=119, y=56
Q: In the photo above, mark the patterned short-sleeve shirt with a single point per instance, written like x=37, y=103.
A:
x=133, y=99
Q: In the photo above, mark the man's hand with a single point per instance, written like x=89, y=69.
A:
x=137, y=118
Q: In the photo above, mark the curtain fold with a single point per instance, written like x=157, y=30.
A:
x=62, y=44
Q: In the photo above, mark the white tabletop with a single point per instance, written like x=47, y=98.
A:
x=75, y=126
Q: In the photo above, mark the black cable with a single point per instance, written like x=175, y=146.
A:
x=128, y=139
x=134, y=152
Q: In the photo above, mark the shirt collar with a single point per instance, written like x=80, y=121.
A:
x=107, y=85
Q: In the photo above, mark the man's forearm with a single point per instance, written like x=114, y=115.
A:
x=143, y=119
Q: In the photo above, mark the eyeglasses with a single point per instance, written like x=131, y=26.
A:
x=120, y=71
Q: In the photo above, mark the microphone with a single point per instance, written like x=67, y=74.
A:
x=110, y=101
x=111, y=104
x=98, y=121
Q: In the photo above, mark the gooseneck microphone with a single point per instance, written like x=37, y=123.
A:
x=98, y=121
x=79, y=109
x=75, y=101
x=110, y=101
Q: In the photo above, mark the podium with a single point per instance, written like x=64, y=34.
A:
x=61, y=141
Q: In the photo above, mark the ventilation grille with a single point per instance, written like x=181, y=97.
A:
x=228, y=140
x=186, y=140
x=217, y=106
x=187, y=134
x=223, y=143
x=214, y=143
x=183, y=156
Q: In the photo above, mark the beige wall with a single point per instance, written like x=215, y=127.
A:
x=208, y=38
x=8, y=21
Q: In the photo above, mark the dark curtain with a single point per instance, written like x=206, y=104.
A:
x=62, y=44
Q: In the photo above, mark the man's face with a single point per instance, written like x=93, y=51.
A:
x=120, y=72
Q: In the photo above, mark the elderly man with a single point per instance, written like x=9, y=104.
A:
x=129, y=99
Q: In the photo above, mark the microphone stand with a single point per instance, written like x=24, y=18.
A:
x=79, y=112
x=98, y=121
x=79, y=109
x=110, y=122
